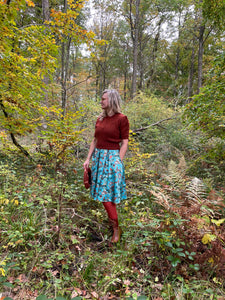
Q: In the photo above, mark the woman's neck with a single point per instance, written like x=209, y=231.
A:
x=109, y=114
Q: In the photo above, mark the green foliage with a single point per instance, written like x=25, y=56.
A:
x=215, y=11
x=27, y=55
x=59, y=247
x=61, y=134
x=145, y=110
x=206, y=111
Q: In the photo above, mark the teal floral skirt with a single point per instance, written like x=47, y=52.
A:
x=108, y=176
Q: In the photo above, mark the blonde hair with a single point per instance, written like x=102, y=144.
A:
x=114, y=103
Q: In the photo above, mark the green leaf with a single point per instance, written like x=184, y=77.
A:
x=169, y=244
x=140, y=224
x=8, y=284
x=78, y=298
x=42, y=297
x=142, y=298
x=175, y=262
x=60, y=298
x=181, y=254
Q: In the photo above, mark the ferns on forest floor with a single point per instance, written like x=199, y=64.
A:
x=189, y=200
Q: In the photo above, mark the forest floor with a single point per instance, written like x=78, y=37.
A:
x=54, y=238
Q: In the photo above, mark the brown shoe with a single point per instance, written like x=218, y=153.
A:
x=117, y=231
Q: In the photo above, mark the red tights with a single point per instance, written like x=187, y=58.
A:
x=110, y=207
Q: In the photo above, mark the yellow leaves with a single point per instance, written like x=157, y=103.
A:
x=218, y=222
x=167, y=221
x=3, y=135
x=4, y=200
x=211, y=260
x=2, y=272
x=217, y=281
x=15, y=201
x=30, y=3
x=63, y=24
x=90, y=34
x=62, y=133
x=75, y=5
x=207, y=238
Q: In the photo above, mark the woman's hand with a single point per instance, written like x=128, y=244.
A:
x=91, y=150
x=123, y=148
x=86, y=163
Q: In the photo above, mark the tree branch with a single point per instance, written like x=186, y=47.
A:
x=14, y=140
x=78, y=83
x=153, y=124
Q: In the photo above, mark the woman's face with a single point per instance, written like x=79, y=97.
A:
x=105, y=101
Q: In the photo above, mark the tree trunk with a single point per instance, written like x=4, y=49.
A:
x=191, y=75
x=45, y=10
x=135, y=48
x=97, y=83
x=125, y=86
x=13, y=138
x=64, y=68
x=200, y=55
x=154, y=52
x=63, y=79
x=45, y=16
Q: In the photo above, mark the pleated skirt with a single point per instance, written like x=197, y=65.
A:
x=108, y=176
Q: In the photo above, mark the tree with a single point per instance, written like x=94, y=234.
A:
x=27, y=55
x=134, y=24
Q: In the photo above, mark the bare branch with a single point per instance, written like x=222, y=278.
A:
x=78, y=83
x=153, y=124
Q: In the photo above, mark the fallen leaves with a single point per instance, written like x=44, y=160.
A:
x=87, y=295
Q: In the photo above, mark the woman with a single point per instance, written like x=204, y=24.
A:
x=107, y=150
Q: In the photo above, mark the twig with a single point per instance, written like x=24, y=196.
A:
x=78, y=83
x=153, y=124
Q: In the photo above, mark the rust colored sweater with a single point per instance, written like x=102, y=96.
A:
x=111, y=131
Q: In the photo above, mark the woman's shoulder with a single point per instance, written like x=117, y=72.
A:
x=123, y=120
x=121, y=116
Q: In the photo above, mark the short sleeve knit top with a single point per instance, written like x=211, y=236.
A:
x=110, y=131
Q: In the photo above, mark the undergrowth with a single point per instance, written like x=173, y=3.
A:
x=54, y=238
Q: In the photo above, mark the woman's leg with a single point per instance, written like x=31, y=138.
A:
x=110, y=207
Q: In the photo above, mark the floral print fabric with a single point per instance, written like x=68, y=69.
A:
x=108, y=176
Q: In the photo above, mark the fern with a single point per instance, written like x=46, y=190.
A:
x=162, y=198
x=196, y=191
x=176, y=174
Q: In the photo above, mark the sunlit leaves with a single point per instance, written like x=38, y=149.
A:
x=27, y=55
x=30, y=3
x=207, y=238
x=61, y=133
x=64, y=24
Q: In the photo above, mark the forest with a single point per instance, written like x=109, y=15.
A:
x=167, y=60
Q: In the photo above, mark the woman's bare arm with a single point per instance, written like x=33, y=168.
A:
x=91, y=150
x=123, y=148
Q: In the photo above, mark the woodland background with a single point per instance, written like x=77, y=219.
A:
x=167, y=60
